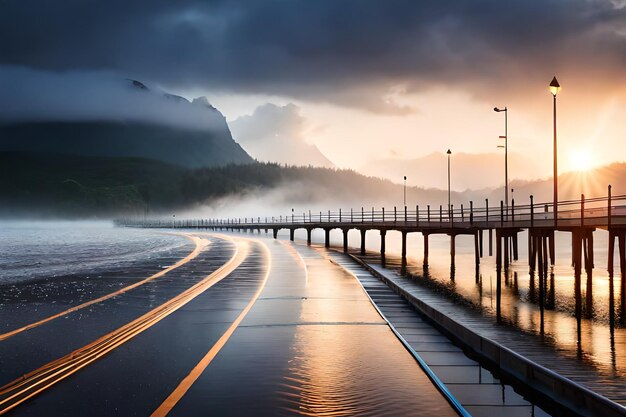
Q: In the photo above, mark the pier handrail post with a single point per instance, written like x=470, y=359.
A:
x=362, y=215
x=532, y=212
x=351, y=218
x=405, y=217
x=462, y=213
x=383, y=214
x=320, y=216
x=417, y=215
x=440, y=215
x=513, y=211
x=310, y=216
x=501, y=213
x=428, y=213
x=451, y=219
x=582, y=210
x=471, y=213
x=339, y=215
x=395, y=214
x=608, y=221
x=487, y=211
x=328, y=216
x=372, y=214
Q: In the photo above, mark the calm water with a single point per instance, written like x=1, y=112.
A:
x=31, y=250
x=591, y=339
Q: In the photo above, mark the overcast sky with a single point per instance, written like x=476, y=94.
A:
x=372, y=79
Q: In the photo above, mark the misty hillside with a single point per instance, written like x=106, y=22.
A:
x=37, y=183
x=135, y=122
x=184, y=147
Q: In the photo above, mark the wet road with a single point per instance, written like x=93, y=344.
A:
x=244, y=327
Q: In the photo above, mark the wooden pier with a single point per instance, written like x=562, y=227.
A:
x=580, y=218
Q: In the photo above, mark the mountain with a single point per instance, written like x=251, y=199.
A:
x=165, y=127
x=293, y=153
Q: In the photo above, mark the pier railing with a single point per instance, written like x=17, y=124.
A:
x=593, y=212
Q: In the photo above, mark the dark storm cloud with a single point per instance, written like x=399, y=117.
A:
x=35, y=95
x=347, y=52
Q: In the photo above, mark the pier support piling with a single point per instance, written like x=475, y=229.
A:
x=363, y=241
x=552, y=250
x=506, y=252
x=477, y=253
x=452, y=249
x=403, y=248
x=382, y=243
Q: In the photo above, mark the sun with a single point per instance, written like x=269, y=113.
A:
x=581, y=159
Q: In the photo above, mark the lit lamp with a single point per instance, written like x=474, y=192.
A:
x=449, y=207
x=506, y=155
x=555, y=87
x=404, y=191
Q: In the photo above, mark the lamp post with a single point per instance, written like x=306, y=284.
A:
x=404, y=191
x=449, y=153
x=506, y=155
x=555, y=87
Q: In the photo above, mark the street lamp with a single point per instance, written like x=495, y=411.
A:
x=506, y=156
x=404, y=191
x=555, y=87
x=449, y=153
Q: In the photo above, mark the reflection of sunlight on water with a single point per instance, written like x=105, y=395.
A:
x=322, y=370
x=520, y=291
x=349, y=363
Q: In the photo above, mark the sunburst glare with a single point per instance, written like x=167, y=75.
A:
x=581, y=159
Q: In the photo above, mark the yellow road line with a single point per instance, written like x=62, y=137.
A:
x=20, y=390
x=200, y=245
x=182, y=388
